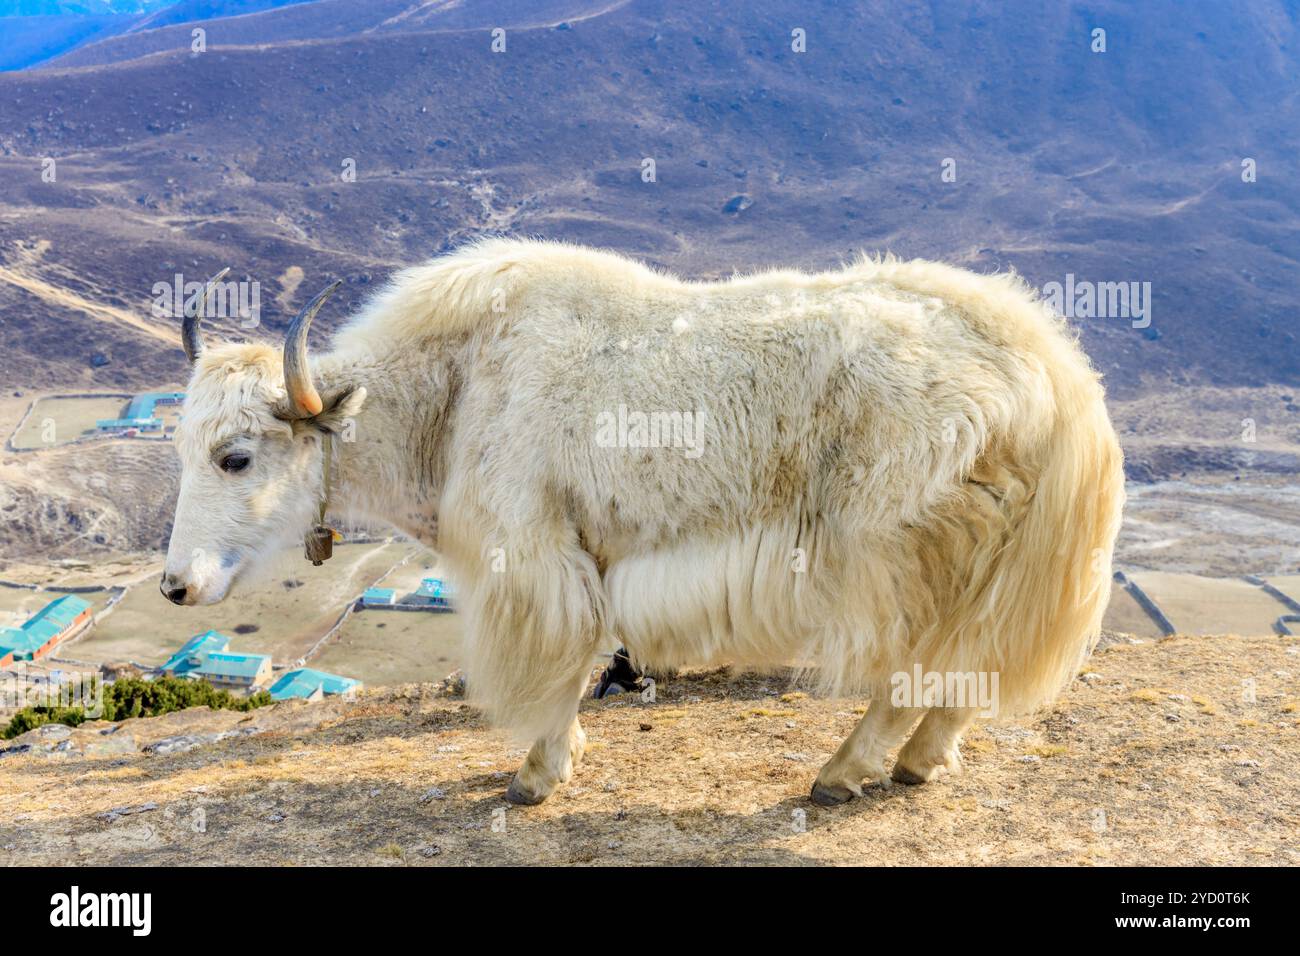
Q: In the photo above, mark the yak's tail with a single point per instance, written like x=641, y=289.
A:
x=1012, y=573
x=1026, y=597
x=1057, y=571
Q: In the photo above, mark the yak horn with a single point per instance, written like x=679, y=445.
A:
x=303, y=397
x=191, y=338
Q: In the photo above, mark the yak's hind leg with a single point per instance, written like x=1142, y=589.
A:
x=862, y=755
x=934, y=745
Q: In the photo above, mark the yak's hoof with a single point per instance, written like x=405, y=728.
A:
x=902, y=775
x=520, y=796
x=825, y=796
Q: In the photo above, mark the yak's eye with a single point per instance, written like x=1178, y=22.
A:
x=233, y=464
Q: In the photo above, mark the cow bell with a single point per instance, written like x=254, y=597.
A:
x=319, y=545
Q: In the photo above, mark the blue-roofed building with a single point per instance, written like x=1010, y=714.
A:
x=189, y=657
x=432, y=593
x=307, y=684
x=142, y=405
x=233, y=671
x=139, y=414
x=58, y=615
x=207, y=657
x=58, y=620
x=379, y=597
x=13, y=645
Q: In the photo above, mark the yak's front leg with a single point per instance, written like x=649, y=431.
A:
x=552, y=757
x=535, y=628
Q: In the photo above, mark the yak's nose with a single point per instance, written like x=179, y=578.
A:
x=172, y=589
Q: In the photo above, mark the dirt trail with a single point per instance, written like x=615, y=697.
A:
x=56, y=295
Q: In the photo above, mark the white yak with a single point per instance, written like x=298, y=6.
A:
x=884, y=470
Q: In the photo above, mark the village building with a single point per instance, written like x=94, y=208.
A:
x=140, y=414
x=308, y=684
x=57, y=621
x=379, y=597
x=240, y=672
x=206, y=657
x=433, y=594
x=188, y=659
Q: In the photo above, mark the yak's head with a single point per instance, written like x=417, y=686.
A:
x=250, y=442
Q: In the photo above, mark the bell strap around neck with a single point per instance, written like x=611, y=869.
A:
x=319, y=546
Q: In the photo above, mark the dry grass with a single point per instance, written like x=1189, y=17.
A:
x=1172, y=753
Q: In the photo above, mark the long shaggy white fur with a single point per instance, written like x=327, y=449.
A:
x=901, y=463
x=929, y=442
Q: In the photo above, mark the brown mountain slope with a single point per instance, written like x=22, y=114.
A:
x=1122, y=166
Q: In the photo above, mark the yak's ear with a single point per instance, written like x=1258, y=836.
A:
x=341, y=406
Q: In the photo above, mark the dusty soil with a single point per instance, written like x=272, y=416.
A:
x=1177, y=752
x=1213, y=525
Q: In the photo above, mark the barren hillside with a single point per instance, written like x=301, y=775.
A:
x=1159, y=752
x=1122, y=166
x=86, y=500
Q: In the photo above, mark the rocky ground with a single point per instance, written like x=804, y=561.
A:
x=1177, y=752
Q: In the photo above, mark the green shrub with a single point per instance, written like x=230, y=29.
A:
x=134, y=697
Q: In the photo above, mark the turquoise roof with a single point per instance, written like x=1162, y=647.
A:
x=189, y=657
x=142, y=405
x=379, y=595
x=16, y=640
x=61, y=611
x=432, y=592
x=140, y=413
x=433, y=587
x=305, y=681
x=42, y=627
x=205, y=655
x=230, y=666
